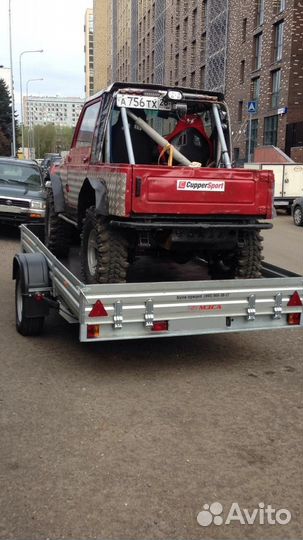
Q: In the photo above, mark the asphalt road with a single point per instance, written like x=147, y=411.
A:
x=129, y=440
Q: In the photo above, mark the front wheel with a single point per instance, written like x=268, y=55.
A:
x=298, y=216
x=104, y=253
x=244, y=262
x=27, y=326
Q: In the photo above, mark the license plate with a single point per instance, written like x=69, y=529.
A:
x=142, y=102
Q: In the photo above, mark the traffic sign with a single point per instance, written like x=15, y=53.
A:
x=252, y=107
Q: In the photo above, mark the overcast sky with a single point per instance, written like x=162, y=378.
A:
x=56, y=26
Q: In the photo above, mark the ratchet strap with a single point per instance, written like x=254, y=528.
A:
x=168, y=148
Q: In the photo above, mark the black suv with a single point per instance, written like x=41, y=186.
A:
x=22, y=194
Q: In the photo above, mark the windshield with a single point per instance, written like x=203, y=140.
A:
x=13, y=173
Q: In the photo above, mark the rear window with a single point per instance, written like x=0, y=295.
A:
x=11, y=173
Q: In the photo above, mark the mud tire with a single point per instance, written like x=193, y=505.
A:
x=244, y=263
x=104, y=253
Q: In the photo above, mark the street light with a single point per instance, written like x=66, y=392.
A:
x=13, y=146
x=29, y=123
x=21, y=97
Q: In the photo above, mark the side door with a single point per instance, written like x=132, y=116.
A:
x=80, y=153
x=293, y=181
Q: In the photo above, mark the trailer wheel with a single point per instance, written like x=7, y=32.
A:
x=243, y=263
x=298, y=216
x=27, y=326
x=57, y=231
x=104, y=253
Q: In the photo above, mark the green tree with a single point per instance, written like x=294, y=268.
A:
x=5, y=120
x=48, y=138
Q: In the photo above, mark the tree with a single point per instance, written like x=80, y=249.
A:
x=5, y=120
x=48, y=138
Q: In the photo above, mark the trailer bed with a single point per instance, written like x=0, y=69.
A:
x=166, y=299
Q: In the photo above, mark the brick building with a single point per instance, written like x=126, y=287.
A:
x=249, y=50
x=265, y=64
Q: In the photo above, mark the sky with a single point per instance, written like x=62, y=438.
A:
x=57, y=27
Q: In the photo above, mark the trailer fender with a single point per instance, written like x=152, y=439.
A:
x=101, y=196
x=58, y=193
x=31, y=270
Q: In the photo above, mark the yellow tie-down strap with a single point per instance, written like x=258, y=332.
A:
x=168, y=148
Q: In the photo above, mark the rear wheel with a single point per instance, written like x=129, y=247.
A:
x=104, y=253
x=57, y=231
x=243, y=263
x=298, y=216
x=27, y=326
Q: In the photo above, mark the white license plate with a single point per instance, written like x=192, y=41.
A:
x=142, y=102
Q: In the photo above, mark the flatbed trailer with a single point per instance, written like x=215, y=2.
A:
x=149, y=309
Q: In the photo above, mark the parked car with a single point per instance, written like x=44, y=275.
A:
x=297, y=211
x=47, y=162
x=22, y=194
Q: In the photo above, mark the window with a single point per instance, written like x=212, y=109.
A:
x=240, y=111
x=194, y=22
x=279, y=6
x=86, y=131
x=278, y=50
x=242, y=71
x=276, y=87
x=202, y=77
x=271, y=130
x=244, y=30
x=260, y=12
x=185, y=30
x=194, y=53
x=204, y=12
x=255, y=89
x=257, y=51
x=254, y=136
x=203, y=47
x=192, y=79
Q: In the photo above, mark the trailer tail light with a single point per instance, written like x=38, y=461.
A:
x=295, y=301
x=160, y=326
x=294, y=319
x=93, y=331
x=98, y=310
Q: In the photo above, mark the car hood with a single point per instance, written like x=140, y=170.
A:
x=28, y=192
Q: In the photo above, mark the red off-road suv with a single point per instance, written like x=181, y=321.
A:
x=150, y=170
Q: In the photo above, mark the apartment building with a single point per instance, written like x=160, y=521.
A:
x=248, y=50
x=89, y=52
x=179, y=42
x=102, y=42
x=265, y=65
x=62, y=111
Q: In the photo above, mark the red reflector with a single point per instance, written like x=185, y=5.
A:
x=294, y=318
x=160, y=326
x=39, y=297
x=295, y=300
x=93, y=331
x=98, y=310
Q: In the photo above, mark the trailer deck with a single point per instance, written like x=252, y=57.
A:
x=165, y=299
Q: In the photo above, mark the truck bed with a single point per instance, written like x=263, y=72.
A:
x=166, y=299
